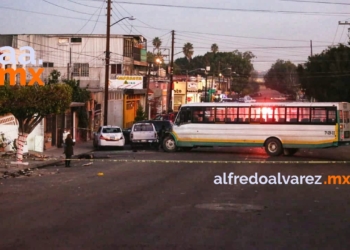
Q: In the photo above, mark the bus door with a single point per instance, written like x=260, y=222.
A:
x=344, y=122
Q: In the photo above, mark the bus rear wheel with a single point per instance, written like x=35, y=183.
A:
x=273, y=147
x=169, y=144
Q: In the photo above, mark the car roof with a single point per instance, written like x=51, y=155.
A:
x=110, y=126
x=143, y=123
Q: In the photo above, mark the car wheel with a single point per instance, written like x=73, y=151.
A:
x=169, y=144
x=273, y=147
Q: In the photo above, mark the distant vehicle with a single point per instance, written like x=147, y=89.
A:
x=256, y=95
x=280, y=98
x=246, y=99
x=143, y=134
x=228, y=100
x=109, y=136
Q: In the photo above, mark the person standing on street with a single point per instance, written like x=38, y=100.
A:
x=68, y=151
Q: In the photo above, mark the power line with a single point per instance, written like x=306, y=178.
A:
x=67, y=8
x=322, y=2
x=93, y=27
x=41, y=13
x=133, y=15
x=240, y=10
x=91, y=18
x=83, y=4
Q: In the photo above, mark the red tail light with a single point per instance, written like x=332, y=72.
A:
x=131, y=136
x=102, y=138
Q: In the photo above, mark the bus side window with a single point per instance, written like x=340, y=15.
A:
x=185, y=116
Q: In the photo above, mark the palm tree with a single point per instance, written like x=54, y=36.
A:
x=188, y=50
x=156, y=43
x=214, y=48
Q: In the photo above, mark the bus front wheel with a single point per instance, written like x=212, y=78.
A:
x=273, y=147
x=169, y=144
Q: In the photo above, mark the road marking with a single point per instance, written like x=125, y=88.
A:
x=210, y=162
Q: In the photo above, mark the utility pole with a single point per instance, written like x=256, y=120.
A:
x=346, y=23
x=147, y=87
x=105, y=120
x=311, y=46
x=171, y=70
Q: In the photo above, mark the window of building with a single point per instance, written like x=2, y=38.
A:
x=75, y=40
x=48, y=64
x=63, y=41
x=116, y=68
x=81, y=69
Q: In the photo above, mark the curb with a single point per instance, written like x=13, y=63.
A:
x=27, y=168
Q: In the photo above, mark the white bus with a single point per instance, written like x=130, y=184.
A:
x=280, y=127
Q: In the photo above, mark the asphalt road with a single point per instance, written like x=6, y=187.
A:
x=156, y=200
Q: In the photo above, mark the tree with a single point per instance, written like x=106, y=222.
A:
x=30, y=104
x=187, y=49
x=240, y=63
x=140, y=114
x=325, y=76
x=282, y=76
x=54, y=76
x=214, y=48
x=157, y=43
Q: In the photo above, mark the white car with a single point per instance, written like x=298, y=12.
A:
x=143, y=133
x=109, y=136
x=248, y=99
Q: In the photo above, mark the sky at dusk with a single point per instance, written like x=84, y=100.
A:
x=270, y=29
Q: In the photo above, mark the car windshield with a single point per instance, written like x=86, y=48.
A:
x=111, y=130
x=143, y=127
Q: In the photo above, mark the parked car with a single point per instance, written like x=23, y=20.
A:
x=143, y=133
x=109, y=136
x=166, y=117
x=158, y=124
x=246, y=99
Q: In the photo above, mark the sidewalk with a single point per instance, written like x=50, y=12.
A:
x=35, y=160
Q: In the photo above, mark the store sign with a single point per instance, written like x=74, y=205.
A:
x=192, y=85
x=126, y=82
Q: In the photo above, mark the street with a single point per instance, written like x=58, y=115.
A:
x=156, y=200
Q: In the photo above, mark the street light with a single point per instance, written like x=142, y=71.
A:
x=105, y=122
x=201, y=69
x=229, y=68
x=159, y=62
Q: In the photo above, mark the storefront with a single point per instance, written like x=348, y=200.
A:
x=179, y=94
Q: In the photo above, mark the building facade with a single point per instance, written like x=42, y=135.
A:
x=82, y=57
